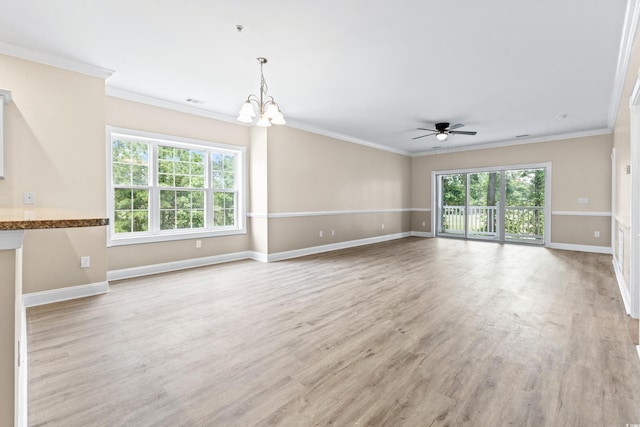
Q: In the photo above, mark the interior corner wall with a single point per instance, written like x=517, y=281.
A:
x=258, y=197
x=581, y=167
x=346, y=191
x=622, y=179
x=142, y=117
x=54, y=142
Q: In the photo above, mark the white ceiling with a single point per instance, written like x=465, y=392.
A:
x=367, y=70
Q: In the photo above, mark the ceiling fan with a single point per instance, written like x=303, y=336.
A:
x=442, y=131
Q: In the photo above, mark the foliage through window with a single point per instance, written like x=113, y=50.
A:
x=165, y=187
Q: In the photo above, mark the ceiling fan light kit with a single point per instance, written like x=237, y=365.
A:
x=443, y=130
x=268, y=111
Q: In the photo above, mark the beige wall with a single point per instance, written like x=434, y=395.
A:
x=581, y=167
x=132, y=115
x=622, y=180
x=54, y=139
x=310, y=173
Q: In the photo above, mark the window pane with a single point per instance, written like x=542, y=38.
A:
x=228, y=217
x=130, y=163
x=165, y=166
x=167, y=199
x=140, y=221
x=229, y=180
x=139, y=175
x=197, y=219
x=122, y=199
x=167, y=219
x=229, y=200
x=131, y=209
x=180, y=167
x=218, y=181
x=223, y=170
x=165, y=180
x=223, y=209
x=121, y=173
x=183, y=219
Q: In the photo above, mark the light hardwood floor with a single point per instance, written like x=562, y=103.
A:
x=413, y=332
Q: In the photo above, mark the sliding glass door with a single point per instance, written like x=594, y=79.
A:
x=499, y=205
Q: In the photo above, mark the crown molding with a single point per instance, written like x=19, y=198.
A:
x=55, y=61
x=330, y=134
x=170, y=105
x=629, y=30
x=522, y=141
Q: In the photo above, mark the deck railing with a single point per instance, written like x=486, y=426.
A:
x=524, y=223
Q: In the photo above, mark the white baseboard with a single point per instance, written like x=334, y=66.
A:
x=624, y=291
x=581, y=248
x=279, y=256
x=421, y=234
x=63, y=294
x=145, y=270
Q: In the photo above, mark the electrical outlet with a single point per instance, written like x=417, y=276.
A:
x=320, y=233
x=85, y=262
x=383, y=226
x=333, y=232
x=29, y=198
x=198, y=244
x=596, y=234
x=424, y=224
x=583, y=200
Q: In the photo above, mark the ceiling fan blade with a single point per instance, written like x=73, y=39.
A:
x=418, y=137
x=430, y=130
x=459, y=125
x=462, y=132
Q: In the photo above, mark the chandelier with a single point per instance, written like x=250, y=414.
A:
x=267, y=109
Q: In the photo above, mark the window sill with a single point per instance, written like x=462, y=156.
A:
x=159, y=238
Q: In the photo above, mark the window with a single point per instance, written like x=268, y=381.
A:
x=165, y=188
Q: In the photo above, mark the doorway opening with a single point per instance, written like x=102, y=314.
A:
x=502, y=205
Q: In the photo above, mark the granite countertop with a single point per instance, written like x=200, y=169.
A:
x=34, y=219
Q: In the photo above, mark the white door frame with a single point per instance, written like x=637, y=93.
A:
x=547, y=166
x=634, y=237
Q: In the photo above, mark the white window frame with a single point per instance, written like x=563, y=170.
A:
x=155, y=234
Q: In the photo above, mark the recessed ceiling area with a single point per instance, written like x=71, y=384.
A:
x=369, y=71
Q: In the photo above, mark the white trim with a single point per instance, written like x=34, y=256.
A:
x=629, y=29
x=521, y=141
x=296, y=253
x=346, y=138
x=634, y=229
x=145, y=270
x=55, y=61
x=580, y=213
x=63, y=294
x=328, y=213
x=581, y=248
x=23, y=375
x=169, y=105
x=421, y=234
x=624, y=292
x=420, y=209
